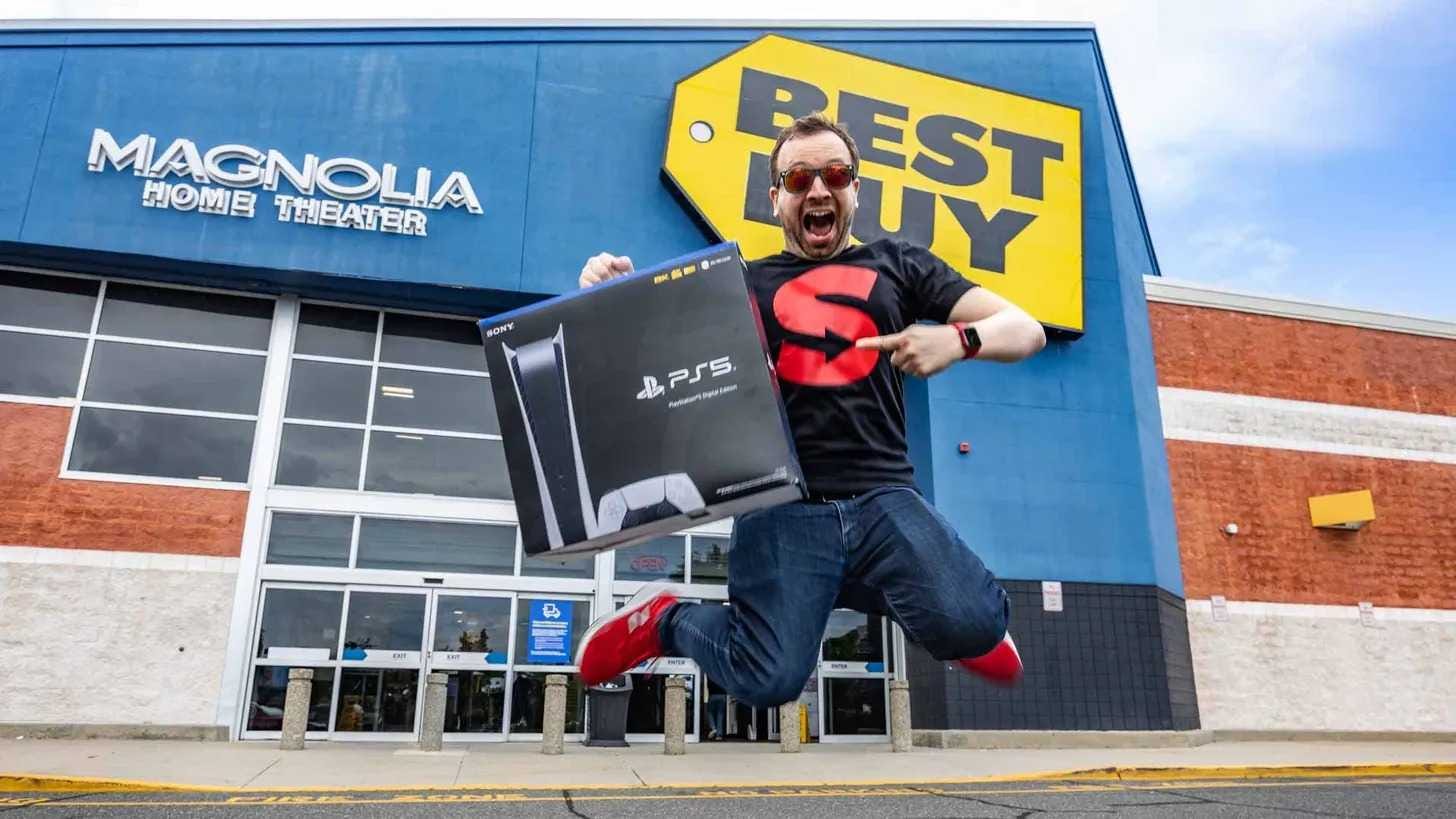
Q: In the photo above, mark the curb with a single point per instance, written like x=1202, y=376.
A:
x=43, y=783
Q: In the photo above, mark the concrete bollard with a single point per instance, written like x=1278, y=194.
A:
x=295, y=708
x=432, y=733
x=675, y=717
x=900, y=736
x=553, y=720
x=789, y=727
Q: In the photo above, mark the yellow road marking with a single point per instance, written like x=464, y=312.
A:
x=42, y=783
x=731, y=793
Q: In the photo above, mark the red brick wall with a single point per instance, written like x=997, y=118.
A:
x=1224, y=351
x=1406, y=557
x=37, y=508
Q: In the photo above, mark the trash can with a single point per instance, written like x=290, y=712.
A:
x=606, y=708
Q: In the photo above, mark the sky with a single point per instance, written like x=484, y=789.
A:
x=1292, y=148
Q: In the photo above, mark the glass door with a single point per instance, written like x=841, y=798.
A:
x=854, y=695
x=470, y=640
x=380, y=663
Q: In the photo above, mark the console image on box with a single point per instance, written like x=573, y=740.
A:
x=543, y=389
x=638, y=407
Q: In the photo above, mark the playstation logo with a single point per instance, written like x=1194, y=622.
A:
x=650, y=388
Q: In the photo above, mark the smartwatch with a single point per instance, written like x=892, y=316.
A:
x=970, y=339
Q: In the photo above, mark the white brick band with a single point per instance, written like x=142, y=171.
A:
x=101, y=558
x=1306, y=426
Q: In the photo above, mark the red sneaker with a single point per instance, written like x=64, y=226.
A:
x=626, y=637
x=1001, y=665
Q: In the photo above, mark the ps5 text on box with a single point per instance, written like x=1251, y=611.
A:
x=639, y=407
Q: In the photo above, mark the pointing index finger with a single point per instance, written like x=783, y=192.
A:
x=890, y=342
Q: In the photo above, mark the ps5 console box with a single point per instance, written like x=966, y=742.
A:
x=640, y=406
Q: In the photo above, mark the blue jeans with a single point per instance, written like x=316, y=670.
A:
x=886, y=552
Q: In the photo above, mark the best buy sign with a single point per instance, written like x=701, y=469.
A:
x=989, y=180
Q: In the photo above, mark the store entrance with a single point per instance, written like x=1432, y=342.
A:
x=371, y=648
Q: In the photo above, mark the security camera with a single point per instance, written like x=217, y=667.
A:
x=1230, y=528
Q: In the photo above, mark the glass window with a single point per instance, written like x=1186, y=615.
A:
x=657, y=559
x=52, y=302
x=338, y=332
x=475, y=702
x=170, y=446
x=547, y=629
x=300, y=625
x=473, y=625
x=645, y=708
x=436, y=465
x=458, y=403
x=854, y=637
x=177, y=379
x=854, y=706
x=310, y=540
x=383, y=621
x=186, y=315
x=320, y=456
x=710, y=559
x=528, y=702
x=318, y=391
x=554, y=566
x=425, y=546
x=432, y=342
x=44, y=366
x=270, y=688
x=377, y=700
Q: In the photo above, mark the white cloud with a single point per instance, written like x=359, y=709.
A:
x=1239, y=257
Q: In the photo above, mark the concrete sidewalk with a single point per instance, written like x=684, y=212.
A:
x=261, y=766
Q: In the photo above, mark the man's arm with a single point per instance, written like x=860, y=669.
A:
x=1007, y=334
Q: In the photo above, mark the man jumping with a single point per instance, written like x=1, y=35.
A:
x=842, y=328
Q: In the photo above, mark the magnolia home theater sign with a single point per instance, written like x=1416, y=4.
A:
x=219, y=181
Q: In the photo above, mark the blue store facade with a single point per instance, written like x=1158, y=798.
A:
x=283, y=234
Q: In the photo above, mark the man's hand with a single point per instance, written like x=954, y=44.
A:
x=604, y=266
x=921, y=350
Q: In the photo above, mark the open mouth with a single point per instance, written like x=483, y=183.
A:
x=819, y=223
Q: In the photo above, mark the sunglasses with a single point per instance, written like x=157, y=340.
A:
x=836, y=176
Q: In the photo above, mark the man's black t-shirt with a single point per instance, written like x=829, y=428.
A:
x=846, y=406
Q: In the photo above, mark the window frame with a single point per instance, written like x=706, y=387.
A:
x=77, y=402
x=368, y=427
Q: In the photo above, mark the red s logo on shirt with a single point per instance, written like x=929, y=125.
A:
x=825, y=355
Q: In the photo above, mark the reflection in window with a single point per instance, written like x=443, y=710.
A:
x=854, y=637
x=854, y=706
x=381, y=621
x=310, y=540
x=473, y=625
x=176, y=379
x=300, y=625
x=437, y=465
x=436, y=547
x=710, y=559
x=431, y=342
x=320, y=391
x=337, y=332
x=320, y=456
x=475, y=702
x=657, y=559
x=169, y=446
x=270, y=688
x=528, y=702
x=49, y=302
x=420, y=400
x=186, y=315
x=43, y=366
x=377, y=700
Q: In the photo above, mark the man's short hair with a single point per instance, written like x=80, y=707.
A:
x=815, y=123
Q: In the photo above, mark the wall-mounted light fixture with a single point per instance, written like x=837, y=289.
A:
x=1344, y=510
